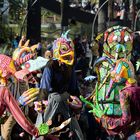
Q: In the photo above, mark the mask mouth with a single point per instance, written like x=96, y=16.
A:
x=23, y=55
x=68, y=58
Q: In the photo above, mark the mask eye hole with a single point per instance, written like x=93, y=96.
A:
x=69, y=42
x=63, y=48
x=126, y=38
x=115, y=38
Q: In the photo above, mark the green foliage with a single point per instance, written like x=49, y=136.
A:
x=5, y=33
x=16, y=15
x=17, y=11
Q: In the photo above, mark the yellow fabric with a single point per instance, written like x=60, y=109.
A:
x=131, y=81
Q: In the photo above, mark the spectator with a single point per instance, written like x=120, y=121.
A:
x=15, y=41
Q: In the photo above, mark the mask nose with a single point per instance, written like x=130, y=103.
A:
x=120, y=49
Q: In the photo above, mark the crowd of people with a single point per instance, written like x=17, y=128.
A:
x=60, y=82
x=58, y=88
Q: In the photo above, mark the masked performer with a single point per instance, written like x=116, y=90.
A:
x=58, y=83
x=20, y=56
x=7, y=101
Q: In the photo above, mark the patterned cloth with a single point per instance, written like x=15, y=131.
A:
x=130, y=105
x=7, y=101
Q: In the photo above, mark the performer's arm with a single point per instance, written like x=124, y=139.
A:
x=13, y=107
x=45, y=84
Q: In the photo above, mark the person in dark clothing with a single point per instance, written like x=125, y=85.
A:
x=79, y=48
x=58, y=83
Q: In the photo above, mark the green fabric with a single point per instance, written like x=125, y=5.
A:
x=112, y=103
x=43, y=129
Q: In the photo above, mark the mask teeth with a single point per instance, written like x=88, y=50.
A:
x=17, y=62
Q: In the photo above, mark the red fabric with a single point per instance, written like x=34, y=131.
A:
x=138, y=135
x=8, y=101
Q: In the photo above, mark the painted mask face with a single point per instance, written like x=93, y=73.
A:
x=24, y=53
x=118, y=42
x=63, y=50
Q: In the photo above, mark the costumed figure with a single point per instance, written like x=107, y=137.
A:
x=30, y=64
x=7, y=101
x=113, y=69
x=59, y=87
x=26, y=58
x=128, y=123
x=26, y=62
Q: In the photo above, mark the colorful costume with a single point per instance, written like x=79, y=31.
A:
x=23, y=60
x=113, y=70
x=130, y=106
x=20, y=56
x=58, y=83
x=8, y=102
x=6, y=99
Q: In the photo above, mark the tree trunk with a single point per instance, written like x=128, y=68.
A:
x=34, y=21
x=64, y=18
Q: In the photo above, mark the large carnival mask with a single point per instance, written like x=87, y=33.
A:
x=24, y=53
x=121, y=71
x=63, y=49
x=26, y=59
x=8, y=68
x=118, y=42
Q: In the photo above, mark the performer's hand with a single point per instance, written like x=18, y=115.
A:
x=75, y=103
x=28, y=96
x=40, y=106
x=96, y=110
